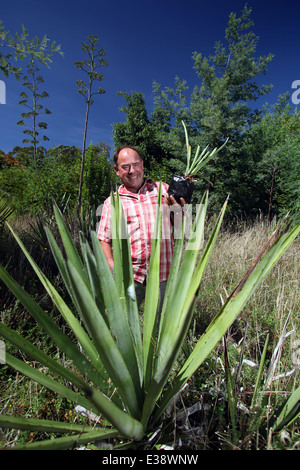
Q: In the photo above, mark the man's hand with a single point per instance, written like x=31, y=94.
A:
x=171, y=201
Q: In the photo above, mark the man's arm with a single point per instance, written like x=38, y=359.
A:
x=107, y=250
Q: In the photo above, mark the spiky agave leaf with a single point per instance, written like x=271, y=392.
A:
x=194, y=164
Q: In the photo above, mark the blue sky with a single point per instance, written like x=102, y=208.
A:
x=144, y=41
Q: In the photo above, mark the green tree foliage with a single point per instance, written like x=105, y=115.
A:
x=169, y=104
x=26, y=187
x=222, y=106
x=58, y=173
x=62, y=167
x=142, y=132
x=89, y=66
x=28, y=184
x=170, y=108
x=20, y=46
x=100, y=177
x=273, y=146
x=137, y=129
x=155, y=135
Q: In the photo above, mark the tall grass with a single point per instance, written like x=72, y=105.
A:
x=275, y=301
x=278, y=294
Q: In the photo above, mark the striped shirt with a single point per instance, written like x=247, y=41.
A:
x=140, y=210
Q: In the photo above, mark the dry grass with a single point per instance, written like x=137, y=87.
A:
x=277, y=299
x=278, y=295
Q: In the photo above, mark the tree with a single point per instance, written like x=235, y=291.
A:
x=100, y=177
x=89, y=66
x=25, y=187
x=136, y=130
x=170, y=108
x=32, y=81
x=274, y=146
x=32, y=102
x=223, y=104
x=61, y=173
x=22, y=46
x=59, y=169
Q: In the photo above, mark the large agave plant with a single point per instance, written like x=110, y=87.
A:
x=112, y=342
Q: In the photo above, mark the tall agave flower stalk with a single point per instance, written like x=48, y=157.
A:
x=137, y=357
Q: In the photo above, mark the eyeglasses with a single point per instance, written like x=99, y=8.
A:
x=134, y=165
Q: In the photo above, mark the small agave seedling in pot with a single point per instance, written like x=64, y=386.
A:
x=183, y=186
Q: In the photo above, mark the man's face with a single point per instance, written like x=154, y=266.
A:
x=130, y=169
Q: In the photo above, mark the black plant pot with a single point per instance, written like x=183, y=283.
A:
x=181, y=187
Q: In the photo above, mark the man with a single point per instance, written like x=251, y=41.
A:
x=139, y=200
